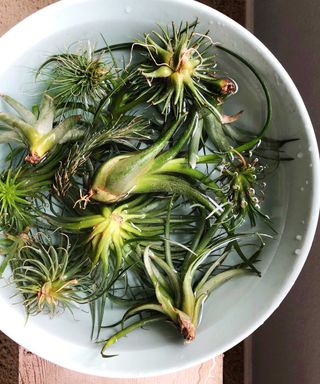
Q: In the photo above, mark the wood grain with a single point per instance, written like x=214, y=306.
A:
x=34, y=370
x=20, y=366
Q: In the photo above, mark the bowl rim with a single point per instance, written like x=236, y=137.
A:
x=13, y=33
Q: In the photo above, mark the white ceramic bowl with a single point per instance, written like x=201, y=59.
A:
x=239, y=307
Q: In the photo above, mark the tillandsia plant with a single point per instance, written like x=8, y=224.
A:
x=23, y=191
x=49, y=276
x=36, y=129
x=110, y=235
x=141, y=172
x=179, y=296
x=77, y=78
x=84, y=154
x=178, y=68
x=241, y=181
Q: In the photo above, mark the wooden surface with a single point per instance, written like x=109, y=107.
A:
x=34, y=370
x=18, y=366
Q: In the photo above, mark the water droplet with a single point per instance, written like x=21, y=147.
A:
x=211, y=22
x=277, y=80
x=299, y=155
x=310, y=165
x=307, y=182
x=301, y=189
x=299, y=237
x=128, y=9
x=302, y=221
x=297, y=251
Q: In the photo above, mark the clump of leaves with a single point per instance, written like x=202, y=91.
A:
x=122, y=131
x=179, y=295
x=50, y=277
x=22, y=191
x=179, y=68
x=36, y=129
x=77, y=78
x=241, y=182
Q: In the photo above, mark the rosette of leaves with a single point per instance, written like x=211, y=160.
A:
x=241, y=180
x=51, y=276
x=23, y=191
x=178, y=68
x=110, y=236
x=179, y=295
x=36, y=129
x=80, y=78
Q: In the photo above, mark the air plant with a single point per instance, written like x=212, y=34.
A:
x=241, y=181
x=141, y=172
x=178, y=68
x=80, y=78
x=122, y=131
x=36, y=129
x=22, y=191
x=179, y=297
x=51, y=277
x=110, y=235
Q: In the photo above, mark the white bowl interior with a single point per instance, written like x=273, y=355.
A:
x=236, y=309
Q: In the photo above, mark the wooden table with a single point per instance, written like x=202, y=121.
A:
x=19, y=366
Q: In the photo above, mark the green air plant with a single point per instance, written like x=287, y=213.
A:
x=81, y=78
x=22, y=190
x=123, y=131
x=241, y=182
x=141, y=172
x=178, y=68
x=51, y=277
x=179, y=297
x=110, y=235
x=36, y=130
